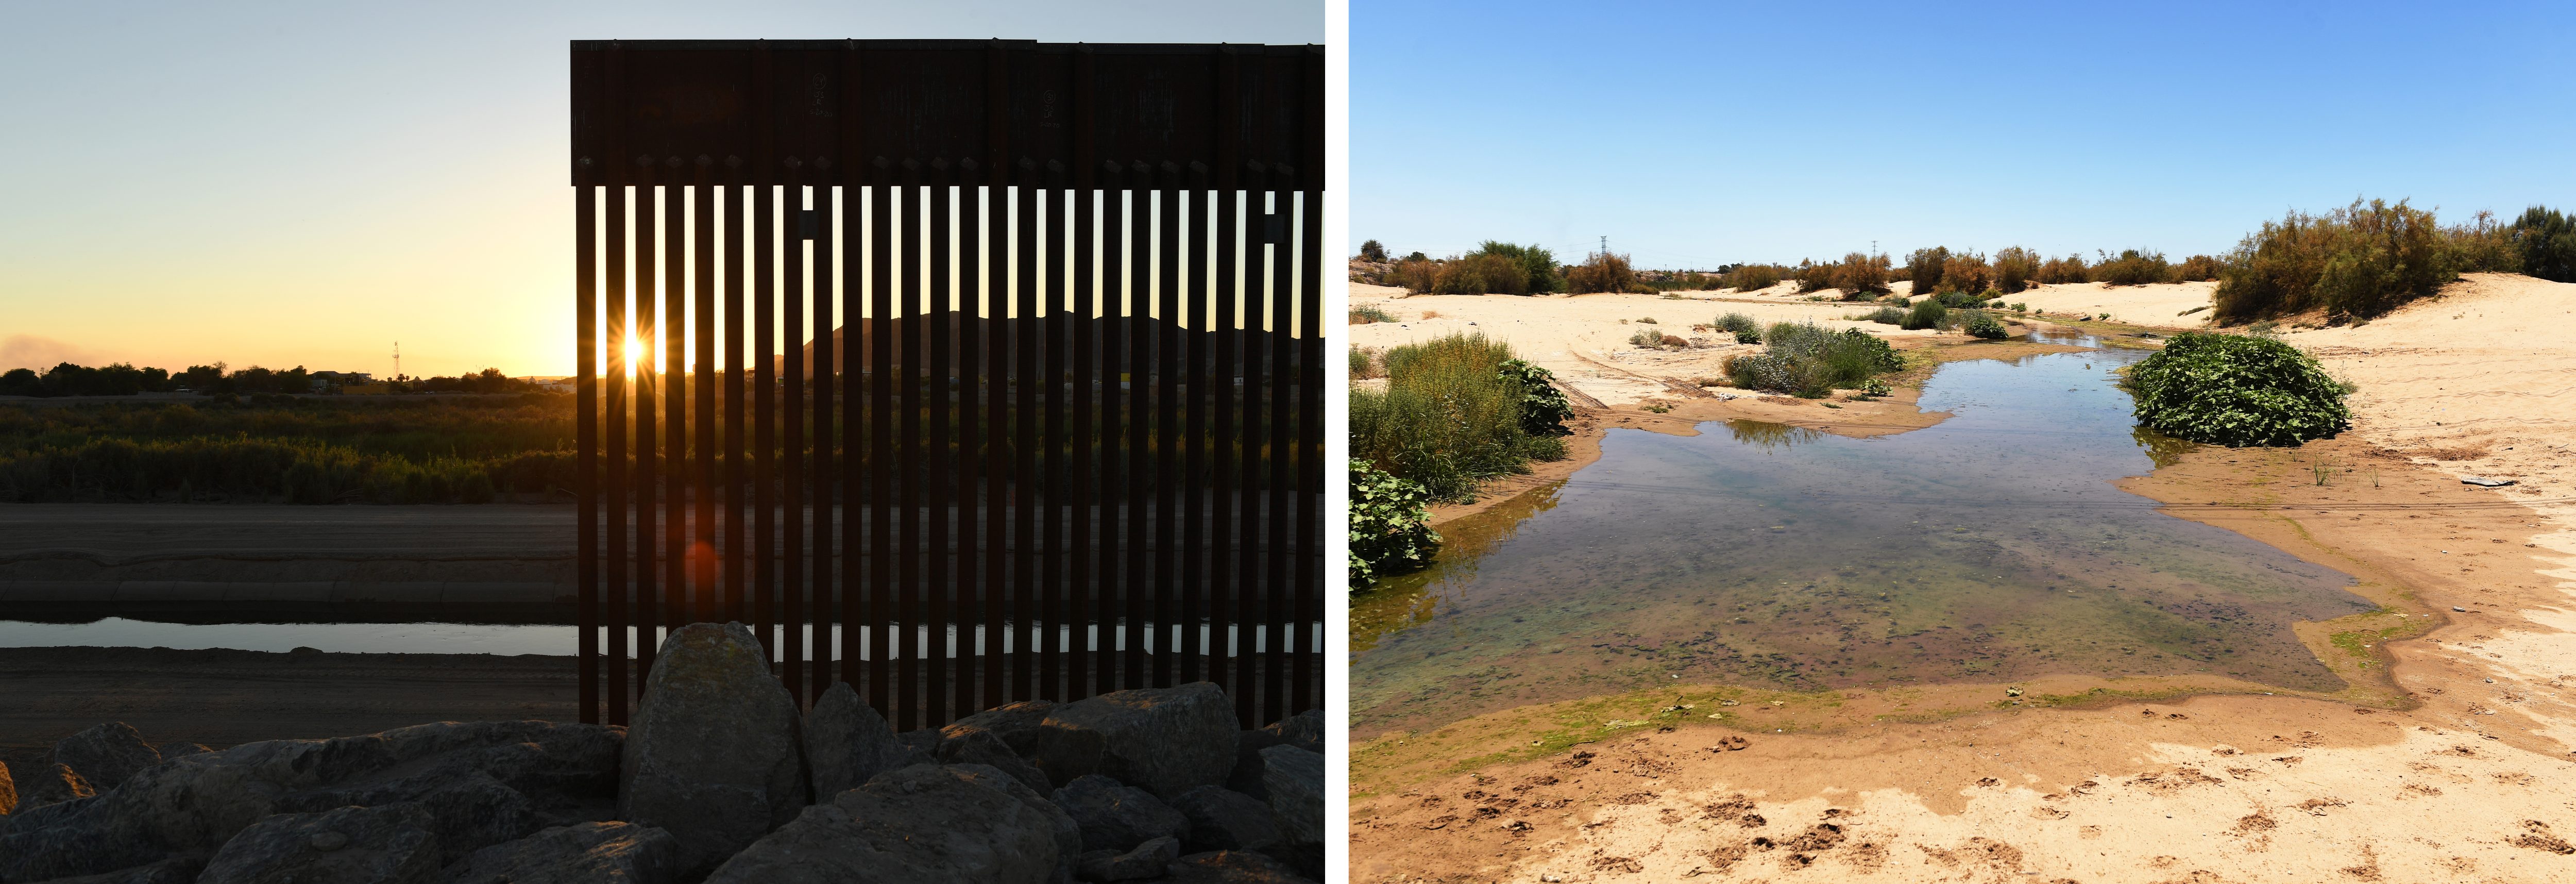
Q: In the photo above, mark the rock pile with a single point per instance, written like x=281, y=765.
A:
x=719, y=779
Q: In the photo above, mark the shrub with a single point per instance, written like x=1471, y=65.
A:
x=1366, y=314
x=1746, y=331
x=1390, y=527
x=2065, y=270
x=2546, y=243
x=1887, y=316
x=1647, y=338
x=1364, y=364
x=1448, y=417
x=1754, y=277
x=2014, y=269
x=1601, y=272
x=2358, y=261
x=1416, y=274
x=2480, y=246
x=1806, y=360
x=1861, y=276
x=2197, y=268
x=1980, y=324
x=1925, y=267
x=2236, y=390
x=1965, y=272
x=2134, y=267
x=1481, y=274
x=1543, y=406
x=1372, y=250
x=1927, y=313
x=1813, y=277
x=1537, y=265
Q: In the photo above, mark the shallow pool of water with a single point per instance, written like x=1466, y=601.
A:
x=1990, y=547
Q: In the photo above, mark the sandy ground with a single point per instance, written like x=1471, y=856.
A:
x=2162, y=305
x=2448, y=759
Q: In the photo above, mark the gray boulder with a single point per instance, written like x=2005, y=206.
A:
x=1224, y=819
x=1148, y=860
x=51, y=784
x=1117, y=817
x=1164, y=740
x=1068, y=834
x=177, y=750
x=1231, y=867
x=847, y=742
x=923, y=824
x=1304, y=730
x=924, y=741
x=392, y=844
x=175, y=870
x=1292, y=782
x=482, y=783
x=982, y=747
x=1021, y=724
x=712, y=755
x=106, y=754
x=624, y=853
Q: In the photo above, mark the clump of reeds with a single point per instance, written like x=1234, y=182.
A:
x=1806, y=360
x=1449, y=418
x=1366, y=314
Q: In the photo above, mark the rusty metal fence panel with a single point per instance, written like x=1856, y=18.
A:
x=1029, y=399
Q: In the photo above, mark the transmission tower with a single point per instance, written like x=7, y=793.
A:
x=397, y=360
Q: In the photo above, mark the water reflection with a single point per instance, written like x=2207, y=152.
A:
x=1989, y=547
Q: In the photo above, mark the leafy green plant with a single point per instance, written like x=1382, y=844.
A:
x=1543, y=406
x=1390, y=528
x=2236, y=390
x=1803, y=359
x=1980, y=324
x=1448, y=417
x=1745, y=330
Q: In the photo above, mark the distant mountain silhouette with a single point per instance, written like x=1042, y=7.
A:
x=983, y=331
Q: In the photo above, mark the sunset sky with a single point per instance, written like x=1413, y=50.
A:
x=290, y=184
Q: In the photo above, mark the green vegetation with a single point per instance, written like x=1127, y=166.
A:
x=1754, y=277
x=1980, y=324
x=1496, y=268
x=1927, y=313
x=2134, y=267
x=1889, y=315
x=2014, y=269
x=2545, y=242
x=1390, y=528
x=1806, y=360
x=1543, y=406
x=290, y=449
x=2068, y=269
x=1364, y=364
x=1924, y=267
x=2363, y=260
x=1602, y=272
x=1746, y=331
x=1368, y=314
x=2236, y=390
x=1372, y=250
x=120, y=379
x=1451, y=416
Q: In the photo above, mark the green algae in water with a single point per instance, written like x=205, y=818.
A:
x=1990, y=547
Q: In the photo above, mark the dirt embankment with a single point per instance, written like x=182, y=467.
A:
x=2449, y=758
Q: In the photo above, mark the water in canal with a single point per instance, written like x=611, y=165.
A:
x=1990, y=547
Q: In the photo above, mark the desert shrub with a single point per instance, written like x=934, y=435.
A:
x=1887, y=316
x=2546, y=244
x=1481, y=274
x=1746, y=331
x=1927, y=313
x=2065, y=270
x=2359, y=261
x=1390, y=528
x=1647, y=338
x=1861, y=276
x=1924, y=267
x=1449, y=418
x=2133, y=267
x=2197, y=268
x=1373, y=250
x=1966, y=272
x=1754, y=277
x=2480, y=246
x=1806, y=360
x=1415, y=274
x=1365, y=314
x=1980, y=324
x=2236, y=390
x=2014, y=269
x=1601, y=272
x=1537, y=265
x=1813, y=277
x=1959, y=300
x=1364, y=364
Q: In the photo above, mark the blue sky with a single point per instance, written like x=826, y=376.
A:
x=306, y=183
x=1698, y=134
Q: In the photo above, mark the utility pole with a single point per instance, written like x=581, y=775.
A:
x=398, y=360
x=1605, y=245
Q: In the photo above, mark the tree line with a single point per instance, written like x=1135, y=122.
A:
x=122, y=379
